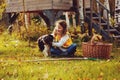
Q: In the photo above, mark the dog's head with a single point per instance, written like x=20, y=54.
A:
x=48, y=40
x=45, y=40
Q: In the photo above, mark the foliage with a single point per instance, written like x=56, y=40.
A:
x=1, y=29
x=85, y=37
x=37, y=20
x=2, y=8
x=34, y=33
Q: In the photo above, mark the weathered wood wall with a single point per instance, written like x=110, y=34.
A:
x=37, y=5
x=14, y=5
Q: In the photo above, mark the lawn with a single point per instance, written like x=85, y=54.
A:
x=18, y=61
x=60, y=70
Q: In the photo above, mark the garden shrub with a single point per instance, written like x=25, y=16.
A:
x=33, y=33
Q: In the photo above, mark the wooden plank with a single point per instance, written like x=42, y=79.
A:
x=67, y=0
x=12, y=1
x=16, y=9
x=31, y=5
x=15, y=5
x=62, y=1
x=38, y=7
x=37, y=2
x=60, y=6
x=87, y=3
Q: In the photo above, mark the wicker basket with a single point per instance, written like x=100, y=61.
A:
x=96, y=50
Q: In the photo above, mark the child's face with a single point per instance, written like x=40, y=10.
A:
x=60, y=30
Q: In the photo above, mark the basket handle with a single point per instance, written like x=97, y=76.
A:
x=93, y=38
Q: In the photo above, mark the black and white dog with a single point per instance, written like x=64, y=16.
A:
x=44, y=44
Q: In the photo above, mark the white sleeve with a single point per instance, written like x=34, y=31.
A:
x=61, y=42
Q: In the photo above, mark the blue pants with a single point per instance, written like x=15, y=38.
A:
x=70, y=51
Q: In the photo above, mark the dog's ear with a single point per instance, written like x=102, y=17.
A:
x=51, y=37
x=40, y=45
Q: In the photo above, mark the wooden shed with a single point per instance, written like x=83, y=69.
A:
x=37, y=5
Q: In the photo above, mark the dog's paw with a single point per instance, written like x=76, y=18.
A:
x=45, y=54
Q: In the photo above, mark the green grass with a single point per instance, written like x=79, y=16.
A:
x=60, y=70
x=18, y=61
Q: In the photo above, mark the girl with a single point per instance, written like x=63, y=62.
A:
x=62, y=44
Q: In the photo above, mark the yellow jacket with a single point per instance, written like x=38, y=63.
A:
x=66, y=44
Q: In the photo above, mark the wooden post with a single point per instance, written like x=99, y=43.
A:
x=26, y=20
x=117, y=12
x=81, y=11
x=91, y=16
x=24, y=15
x=118, y=5
x=81, y=15
x=106, y=4
x=98, y=8
x=67, y=19
x=74, y=22
x=106, y=15
x=99, y=14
